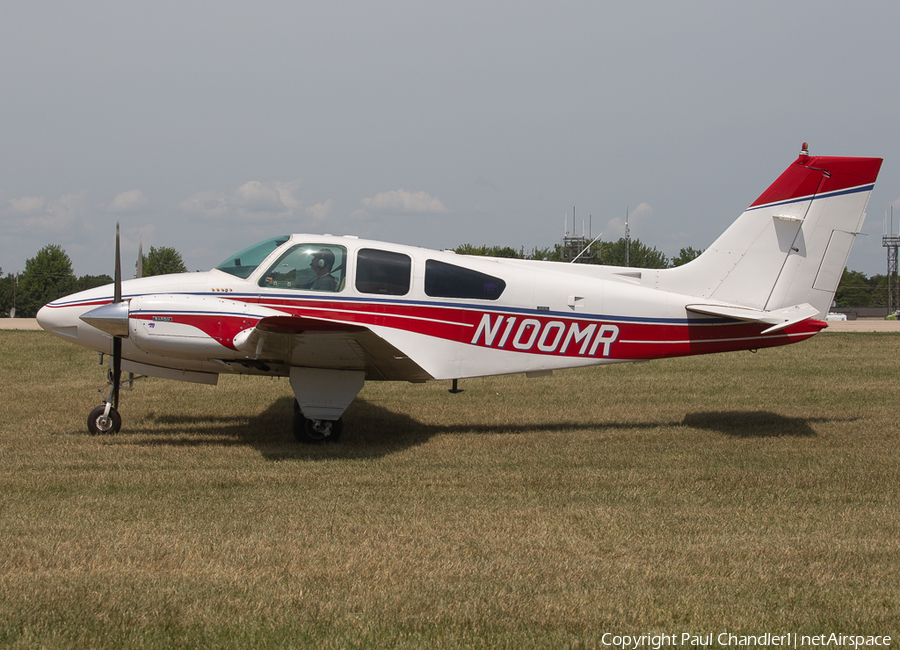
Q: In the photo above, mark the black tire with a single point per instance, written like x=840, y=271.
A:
x=315, y=432
x=100, y=424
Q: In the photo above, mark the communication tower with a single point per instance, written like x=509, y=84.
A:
x=891, y=242
x=580, y=249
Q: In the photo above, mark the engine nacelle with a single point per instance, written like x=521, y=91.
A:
x=191, y=326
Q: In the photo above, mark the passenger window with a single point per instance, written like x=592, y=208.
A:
x=444, y=280
x=383, y=272
x=310, y=267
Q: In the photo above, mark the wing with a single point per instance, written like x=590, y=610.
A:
x=319, y=343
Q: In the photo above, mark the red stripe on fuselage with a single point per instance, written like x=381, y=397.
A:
x=527, y=333
x=533, y=333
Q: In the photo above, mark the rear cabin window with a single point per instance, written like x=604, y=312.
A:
x=444, y=280
x=383, y=272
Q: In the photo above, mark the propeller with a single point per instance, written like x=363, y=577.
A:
x=113, y=319
x=117, y=341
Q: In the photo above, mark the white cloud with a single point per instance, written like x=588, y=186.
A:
x=287, y=193
x=615, y=228
x=66, y=210
x=209, y=204
x=261, y=201
x=321, y=211
x=37, y=215
x=128, y=202
x=254, y=196
x=403, y=202
x=28, y=205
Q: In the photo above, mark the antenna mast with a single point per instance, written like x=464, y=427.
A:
x=576, y=247
x=891, y=242
x=627, y=240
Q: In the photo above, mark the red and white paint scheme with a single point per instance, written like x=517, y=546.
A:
x=333, y=312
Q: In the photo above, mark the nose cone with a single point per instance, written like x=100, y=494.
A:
x=111, y=318
x=58, y=320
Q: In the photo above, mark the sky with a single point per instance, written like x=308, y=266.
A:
x=208, y=126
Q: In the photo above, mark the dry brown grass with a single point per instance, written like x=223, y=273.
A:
x=735, y=493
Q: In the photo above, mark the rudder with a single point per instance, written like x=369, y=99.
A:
x=790, y=246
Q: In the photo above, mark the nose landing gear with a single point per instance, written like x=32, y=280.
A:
x=104, y=419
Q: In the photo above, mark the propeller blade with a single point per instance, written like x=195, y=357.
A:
x=117, y=342
x=116, y=372
x=140, y=259
x=117, y=296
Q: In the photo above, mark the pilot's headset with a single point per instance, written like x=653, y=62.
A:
x=324, y=258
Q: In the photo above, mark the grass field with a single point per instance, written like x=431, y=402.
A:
x=743, y=493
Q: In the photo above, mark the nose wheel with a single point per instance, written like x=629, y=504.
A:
x=104, y=419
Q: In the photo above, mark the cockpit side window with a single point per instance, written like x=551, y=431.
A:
x=308, y=267
x=244, y=263
x=444, y=280
x=383, y=272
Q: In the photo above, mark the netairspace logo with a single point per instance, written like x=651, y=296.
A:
x=727, y=640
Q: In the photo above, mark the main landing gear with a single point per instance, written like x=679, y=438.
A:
x=315, y=432
x=322, y=395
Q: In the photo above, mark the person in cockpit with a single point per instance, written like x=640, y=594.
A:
x=322, y=264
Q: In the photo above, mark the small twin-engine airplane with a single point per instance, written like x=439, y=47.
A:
x=332, y=312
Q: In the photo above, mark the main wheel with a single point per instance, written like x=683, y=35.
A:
x=99, y=422
x=315, y=432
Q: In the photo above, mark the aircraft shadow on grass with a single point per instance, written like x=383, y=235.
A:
x=753, y=424
x=370, y=431
x=373, y=431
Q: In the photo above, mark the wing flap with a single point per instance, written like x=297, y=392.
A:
x=777, y=318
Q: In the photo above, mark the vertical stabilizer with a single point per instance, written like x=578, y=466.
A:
x=790, y=246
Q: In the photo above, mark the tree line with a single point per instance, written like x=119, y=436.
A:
x=855, y=289
x=49, y=275
x=611, y=253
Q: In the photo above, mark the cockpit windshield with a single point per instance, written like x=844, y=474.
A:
x=244, y=263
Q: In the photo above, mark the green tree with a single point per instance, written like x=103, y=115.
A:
x=47, y=276
x=853, y=290
x=879, y=287
x=489, y=251
x=551, y=254
x=612, y=253
x=163, y=260
x=685, y=255
x=7, y=293
x=86, y=282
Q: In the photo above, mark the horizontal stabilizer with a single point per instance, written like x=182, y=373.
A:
x=778, y=318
